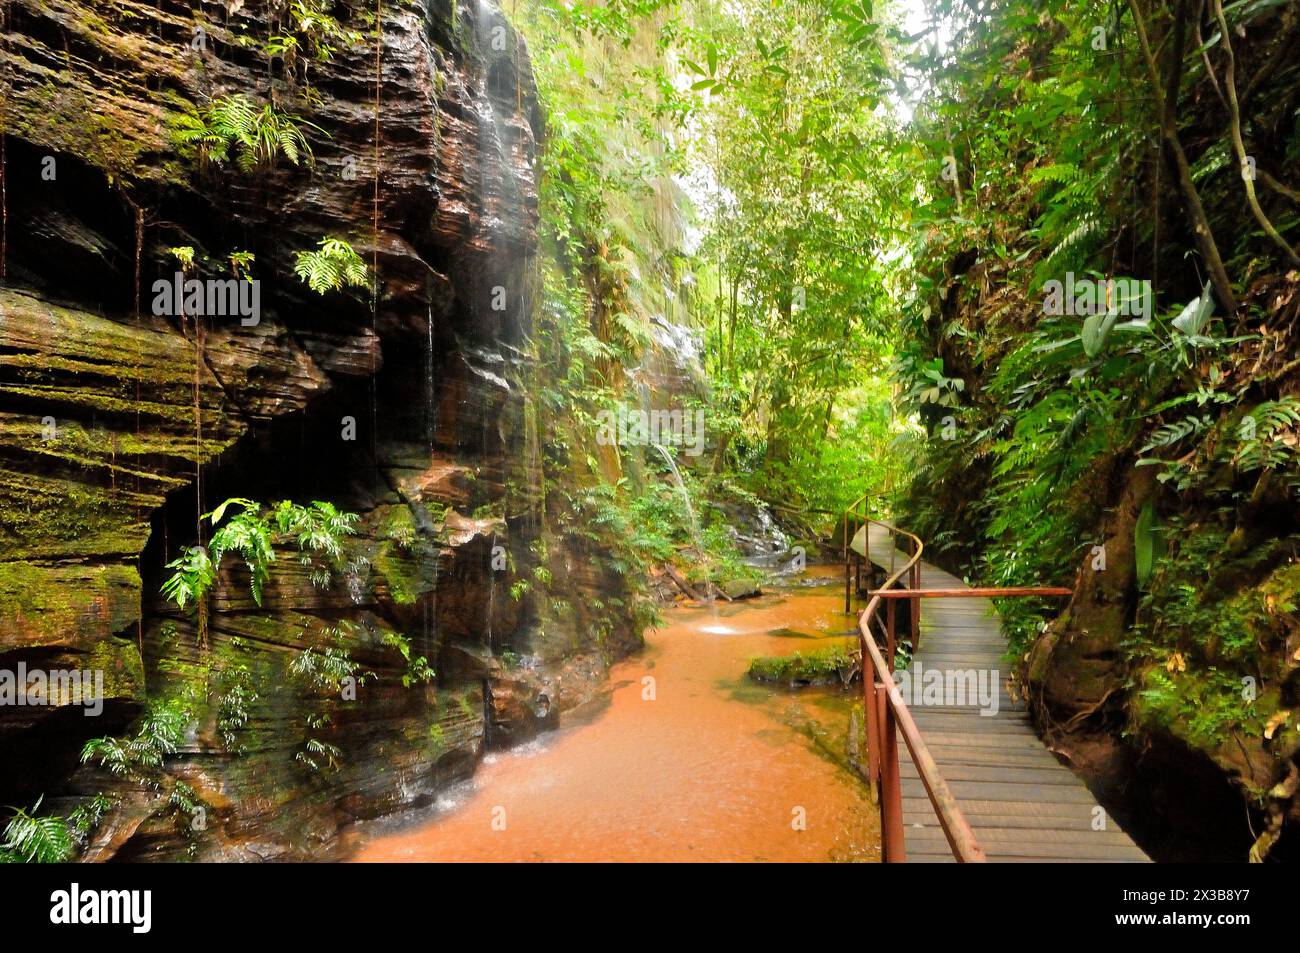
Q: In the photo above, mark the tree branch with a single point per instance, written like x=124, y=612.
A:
x=1201, y=226
x=1230, y=85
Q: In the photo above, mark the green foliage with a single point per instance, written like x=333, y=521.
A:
x=334, y=266
x=193, y=577
x=257, y=137
x=85, y=817
x=1204, y=707
x=798, y=234
x=32, y=838
x=247, y=535
x=833, y=665
x=437, y=741
x=159, y=733
x=323, y=671
x=234, y=708
x=240, y=263
x=321, y=33
x=318, y=529
x=1144, y=542
x=1270, y=438
x=418, y=671
x=319, y=756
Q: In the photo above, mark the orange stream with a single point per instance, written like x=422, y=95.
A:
x=714, y=767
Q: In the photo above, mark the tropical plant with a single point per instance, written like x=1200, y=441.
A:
x=256, y=136
x=334, y=266
x=318, y=529
x=159, y=733
x=31, y=837
x=418, y=670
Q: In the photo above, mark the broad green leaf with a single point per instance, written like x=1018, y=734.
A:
x=1144, y=543
x=1096, y=328
x=1196, y=314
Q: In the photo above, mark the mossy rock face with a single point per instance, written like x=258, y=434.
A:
x=73, y=606
x=108, y=430
x=405, y=560
x=1221, y=675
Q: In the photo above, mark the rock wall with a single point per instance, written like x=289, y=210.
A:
x=405, y=402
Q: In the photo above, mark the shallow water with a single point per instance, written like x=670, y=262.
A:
x=689, y=760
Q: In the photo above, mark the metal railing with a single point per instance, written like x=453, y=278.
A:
x=886, y=713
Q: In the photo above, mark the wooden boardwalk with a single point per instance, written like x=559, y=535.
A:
x=1023, y=804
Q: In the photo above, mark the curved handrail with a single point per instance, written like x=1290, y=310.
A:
x=887, y=712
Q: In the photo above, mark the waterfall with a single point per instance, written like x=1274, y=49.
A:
x=686, y=497
x=431, y=419
x=690, y=510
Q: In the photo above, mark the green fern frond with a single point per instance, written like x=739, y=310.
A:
x=334, y=266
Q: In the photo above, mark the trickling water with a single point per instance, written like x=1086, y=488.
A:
x=492, y=587
x=430, y=420
x=686, y=497
x=690, y=512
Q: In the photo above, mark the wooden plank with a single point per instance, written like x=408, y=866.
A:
x=1000, y=843
x=996, y=790
x=982, y=727
x=958, y=739
x=974, y=807
x=981, y=821
x=969, y=754
x=994, y=772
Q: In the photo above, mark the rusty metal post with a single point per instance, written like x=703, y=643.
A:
x=866, y=546
x=915, y=583
x=890, y=641
x=872, y=718
x=891, y=793
x=848, y=605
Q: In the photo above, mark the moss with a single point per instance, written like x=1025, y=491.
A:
x=403, y=559
x=1206, y=664
x=50, y=605
x=119, y=660
x=824, y=666
x=108, y=117
x=1204, y=708
x=43, y=517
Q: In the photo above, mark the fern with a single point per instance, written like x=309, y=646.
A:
x=1076, y=241
x=318, y=528
x=247, y=534
x=193, y=577
x=159, y=733
x=257, y=137
x=31, y=838
x=334, y=266
x=1170, y=434
x=311, y=19
x=323, y=671
x=319, y=755
x=1269, y=436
